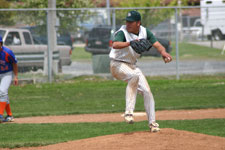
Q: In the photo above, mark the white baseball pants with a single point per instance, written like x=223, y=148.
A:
x=5, y=79
x=136, y=83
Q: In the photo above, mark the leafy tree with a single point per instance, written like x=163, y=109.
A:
x=6, y=16
x=66, y=18
x=149, y=16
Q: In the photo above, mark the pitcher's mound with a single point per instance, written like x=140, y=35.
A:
x=166, y=139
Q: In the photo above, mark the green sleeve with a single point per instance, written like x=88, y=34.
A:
x=119, y=37
x=151, y=37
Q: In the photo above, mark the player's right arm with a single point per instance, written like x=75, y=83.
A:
x=155, y=43
x=119, y=41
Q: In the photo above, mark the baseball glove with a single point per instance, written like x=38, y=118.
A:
x=140, y=46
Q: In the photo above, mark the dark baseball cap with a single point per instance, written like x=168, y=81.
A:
x=133, y=16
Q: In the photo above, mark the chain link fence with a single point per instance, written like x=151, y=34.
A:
x=84, y=39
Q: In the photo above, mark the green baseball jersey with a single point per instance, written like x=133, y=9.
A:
x=120, y=37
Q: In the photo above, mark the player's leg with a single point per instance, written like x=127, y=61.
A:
x=125, y=72
x=4, y=86
x=2, y=103
x=9, y=117
x=2, y=108
x=149, y=103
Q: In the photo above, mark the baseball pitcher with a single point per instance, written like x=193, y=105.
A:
x=129, y=42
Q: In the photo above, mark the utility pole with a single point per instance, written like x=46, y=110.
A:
x=181, y=21
x=108, y=11
x=51, y=22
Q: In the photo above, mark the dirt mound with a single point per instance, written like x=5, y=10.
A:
x=167, y=139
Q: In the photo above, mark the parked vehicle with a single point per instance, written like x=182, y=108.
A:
x=22, y=44
x=85, y=23
x=212, y=18
x=190, y=31
x=40, y=37
x=164, y=30
x=99, y=41
x=194, y=32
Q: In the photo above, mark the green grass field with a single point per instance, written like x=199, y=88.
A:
x=90, y=94
x=192, y=51
x=79, y=54
x=97, y=95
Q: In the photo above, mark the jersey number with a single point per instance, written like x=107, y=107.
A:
x=4, y=68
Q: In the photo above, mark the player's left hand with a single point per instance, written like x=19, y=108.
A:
x=141, y=45
x=166, y=57
x=15, y=80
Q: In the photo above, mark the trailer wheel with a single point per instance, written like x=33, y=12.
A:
x=217, y=35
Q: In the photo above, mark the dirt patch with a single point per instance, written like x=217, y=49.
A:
x=118, y=117
x=166, y=139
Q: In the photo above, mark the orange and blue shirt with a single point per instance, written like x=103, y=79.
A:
x=7, y=58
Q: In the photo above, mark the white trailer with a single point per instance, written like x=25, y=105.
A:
x=213, y=18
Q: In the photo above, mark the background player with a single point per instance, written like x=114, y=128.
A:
x=8, y=67
x=123, y=66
